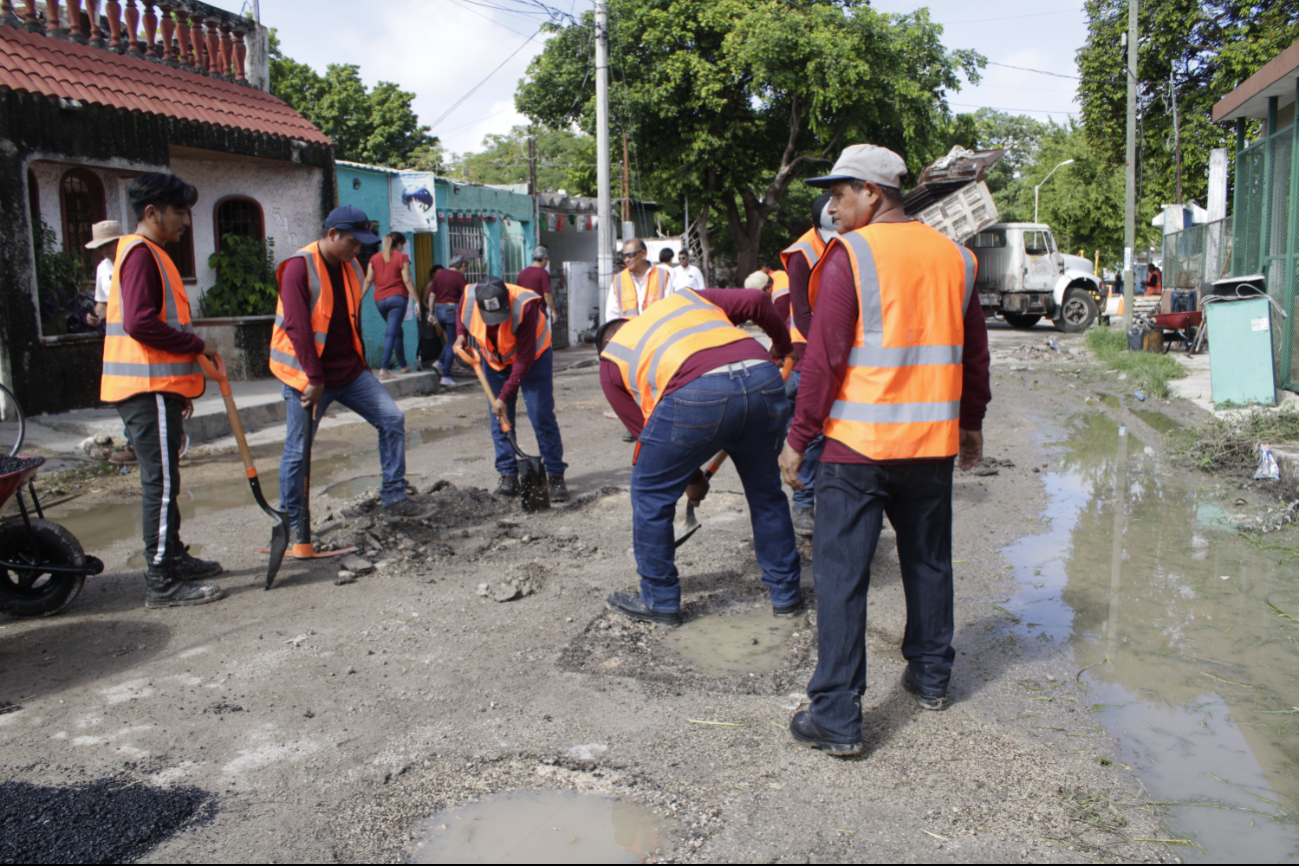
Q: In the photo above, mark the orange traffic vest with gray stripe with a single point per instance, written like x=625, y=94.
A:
x=901, y=395
x=811, y=247
x=284, y=361
x=501, y=355
x=656, y=288
x=130, y=367
x=650, y=349
x=780, y=288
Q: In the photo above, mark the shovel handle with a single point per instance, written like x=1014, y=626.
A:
x=473, y=359
x=217, y=371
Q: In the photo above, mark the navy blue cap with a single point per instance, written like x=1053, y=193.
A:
x=352, y=220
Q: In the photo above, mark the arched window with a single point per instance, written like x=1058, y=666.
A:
x=237, y=215
x=81, y=196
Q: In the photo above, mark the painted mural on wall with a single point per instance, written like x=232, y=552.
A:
x=411, y=206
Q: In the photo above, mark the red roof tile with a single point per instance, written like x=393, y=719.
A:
x=37, y=64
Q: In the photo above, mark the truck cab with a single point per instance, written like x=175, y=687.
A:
x=1023, y=277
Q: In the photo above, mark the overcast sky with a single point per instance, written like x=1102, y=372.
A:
x=441, y=49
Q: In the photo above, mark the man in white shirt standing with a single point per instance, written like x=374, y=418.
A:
x=686, y=275
x=102, y=234
x=640, y=284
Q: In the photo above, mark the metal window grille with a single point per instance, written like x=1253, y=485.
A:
x=80, y=214
x=239, y=216
x=469, y=240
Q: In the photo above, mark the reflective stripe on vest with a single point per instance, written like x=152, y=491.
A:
x=650, y=349
x=502, y=355
x=655, y=285
x=130, y=367
x=284, y=362
x=900, y=398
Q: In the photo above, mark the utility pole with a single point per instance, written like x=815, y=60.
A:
x=626, y=181
x=1177, y=138
x=1130, y=185
x=532, y=186
x=604, y=207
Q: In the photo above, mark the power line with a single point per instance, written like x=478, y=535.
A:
x=1038, y=71
x=458, y=102
x=488, y=17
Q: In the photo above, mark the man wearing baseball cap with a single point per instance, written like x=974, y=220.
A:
x=507, y=326
x=896, y=374
x=316, y=352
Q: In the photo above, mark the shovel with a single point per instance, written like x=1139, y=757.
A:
x=692, y=523
x=280, y=534
x=534, y=488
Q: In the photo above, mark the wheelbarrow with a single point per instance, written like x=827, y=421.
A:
x=1178, y=328
x=42, y=565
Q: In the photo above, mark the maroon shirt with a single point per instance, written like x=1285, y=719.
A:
x=339, y=364
x=825, y=362
x=525, y=345
x=740, y=306
x=799, y=273
x=535, y=278
x=142, y=298
x=448, y=286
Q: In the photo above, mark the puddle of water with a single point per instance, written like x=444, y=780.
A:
x=1108, y=399
x=1158, y=420
x=542, y=827
x=137, y=559
x=353, y=486
x=729, y=643
x=1202, y=676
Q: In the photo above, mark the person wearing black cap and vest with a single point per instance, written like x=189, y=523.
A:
x=316, y=352
x=506, y=326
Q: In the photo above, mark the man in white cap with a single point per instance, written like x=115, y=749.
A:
x=103, y=239
x=896, y=374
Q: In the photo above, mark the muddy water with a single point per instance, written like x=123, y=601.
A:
x=733, y=642
x=542, y=827
x=1188, y=632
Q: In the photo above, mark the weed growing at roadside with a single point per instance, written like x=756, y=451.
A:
x=1148, y=370
x=1230, y=444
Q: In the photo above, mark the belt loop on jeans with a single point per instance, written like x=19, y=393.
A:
x=734, y=368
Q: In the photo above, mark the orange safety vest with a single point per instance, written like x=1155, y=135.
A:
x=131, y=367
x=811, y=247
x=656, y=289
x=501, y=355
x=284, y=361
x=650, y=349
x=780, y=288
x=901, y=395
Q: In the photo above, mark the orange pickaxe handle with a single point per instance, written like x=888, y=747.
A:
x=785, y=370
x=472, y=358
x=216, y=369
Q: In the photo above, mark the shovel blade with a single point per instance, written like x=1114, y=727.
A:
x=279, y=544
x=534, y=487
x=691, y=526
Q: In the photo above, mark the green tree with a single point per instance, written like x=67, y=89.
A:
x=564, y=159
x=731, y=101
x=376, y=126
x=1206, y=48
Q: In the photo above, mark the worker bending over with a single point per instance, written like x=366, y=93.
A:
x=689, y=383
x=506, y=325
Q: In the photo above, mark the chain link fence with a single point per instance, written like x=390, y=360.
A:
x=1198, y=255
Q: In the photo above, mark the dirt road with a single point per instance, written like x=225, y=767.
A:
x=321, y=721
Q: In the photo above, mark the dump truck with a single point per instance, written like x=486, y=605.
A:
x=1022, y=275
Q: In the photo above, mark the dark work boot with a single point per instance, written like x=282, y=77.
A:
x=805, y=729
x=192, y=568
x=627, y=437
x=923, y=700
x=630, y=604
x=804, y=521
x=558, y=489
x=509, y=486
x=164, y=589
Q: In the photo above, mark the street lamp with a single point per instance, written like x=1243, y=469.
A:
x=1044, y=180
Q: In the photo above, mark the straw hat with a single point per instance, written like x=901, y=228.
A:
x=104, y=232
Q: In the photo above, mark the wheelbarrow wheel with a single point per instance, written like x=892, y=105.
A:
x=33, y=592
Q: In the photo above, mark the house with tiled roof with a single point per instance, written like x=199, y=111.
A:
x=93, y=94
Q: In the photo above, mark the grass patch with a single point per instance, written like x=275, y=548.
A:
x=1231, y=444
x=1149, y=370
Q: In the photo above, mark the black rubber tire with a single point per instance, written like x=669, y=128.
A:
x=38, y=593
x=1078, y=312
x=1023, y=321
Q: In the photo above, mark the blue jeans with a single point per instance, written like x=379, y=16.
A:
x=851, y=501
x=805, y=498
x=367, y=398
x=538, y=390
x=446, y=316
x=744, y=412
x=393, y=311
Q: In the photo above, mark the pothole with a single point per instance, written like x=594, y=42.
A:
x=743, y=641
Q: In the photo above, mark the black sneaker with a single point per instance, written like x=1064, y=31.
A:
x=163, y=589
x=804, y=521
x=627, y=437
x=630, y=605
x=408, y=509
x=509, y=486
x=558, y=489
x=192, y=568
x=805, y=729
x=924, y=701
x=788, y=610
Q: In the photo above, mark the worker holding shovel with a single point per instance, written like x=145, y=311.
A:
x=687, y=382
x=505, y=324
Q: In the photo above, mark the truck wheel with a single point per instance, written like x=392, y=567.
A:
x=32, y=592
x=1021, y=320
x=1077, y=313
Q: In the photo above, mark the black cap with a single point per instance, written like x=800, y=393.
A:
x=493, y=300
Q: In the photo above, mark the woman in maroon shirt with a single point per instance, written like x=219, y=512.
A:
x=390, y=273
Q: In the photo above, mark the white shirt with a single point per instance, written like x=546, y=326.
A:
x=689, y=277
x=103, y=280
x=613, y=306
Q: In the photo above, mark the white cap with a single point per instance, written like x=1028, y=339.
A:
x=868, y=162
